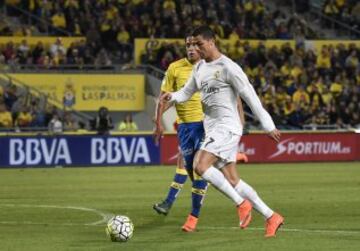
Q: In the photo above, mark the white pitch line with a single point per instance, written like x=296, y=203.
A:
x=39, y=224
x=311, y=231
x=282, y=229
x=105, y=216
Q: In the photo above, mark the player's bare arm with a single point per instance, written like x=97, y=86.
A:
x=161, y=108
x=275, y=135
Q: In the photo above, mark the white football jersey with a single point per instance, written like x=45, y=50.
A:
x=220, y=82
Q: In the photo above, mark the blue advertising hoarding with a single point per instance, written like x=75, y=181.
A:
x=78, y=150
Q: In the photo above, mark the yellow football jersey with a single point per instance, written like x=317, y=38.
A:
x=175, y=78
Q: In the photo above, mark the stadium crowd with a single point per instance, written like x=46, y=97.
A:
x=20, y=110
x=122, y=21
x=78, y=55
x=114, y=24
x=347, y=11
x=297, y=86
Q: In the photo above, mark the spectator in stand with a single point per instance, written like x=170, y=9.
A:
x=9, y=52
x=123, y=36
x=298, y=117
x=331, y=9
x=336, y=87
x=39, y=119
x=74, y=58
x=314, y=93
x=10, y=96
x=323, y=61
x=81, y=128
x=70, y=124
x=289, y=107
x=3, y=65
x=6, y=120
x=346, y=115
x=24, y=118
x=92, y=34
x=23, y=52
x=326, y=96
x=49, y=112
x=45, y=62
x=59, y=59
x=128, y=125
x=55, y=125
x=5, y=30
x=282, y=32
x=37, y=52
x=355, y=14
x=103, y=121
x=352, y=63
x=102, y=59
x=58, y=20
x=281, y=96
x=301, y=97
x=56, y=47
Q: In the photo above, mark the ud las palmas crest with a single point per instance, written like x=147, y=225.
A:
x=69, y=94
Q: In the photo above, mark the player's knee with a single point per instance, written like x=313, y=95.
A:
x=200, y=168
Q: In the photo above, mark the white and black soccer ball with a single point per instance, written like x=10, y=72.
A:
x=120, y=228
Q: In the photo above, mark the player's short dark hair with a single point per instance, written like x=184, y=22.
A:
x=188, y=34
x=204, y=31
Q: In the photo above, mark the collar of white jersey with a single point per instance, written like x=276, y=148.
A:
x=215, y=61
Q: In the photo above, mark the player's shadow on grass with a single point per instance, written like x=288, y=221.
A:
x=154, y=220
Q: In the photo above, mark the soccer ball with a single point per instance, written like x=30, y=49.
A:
x=120, y=228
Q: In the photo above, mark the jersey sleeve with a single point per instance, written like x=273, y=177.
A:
x=168, y=82
x=239, y=81
x=186, y=92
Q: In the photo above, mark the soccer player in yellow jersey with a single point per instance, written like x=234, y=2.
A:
x=190, y=135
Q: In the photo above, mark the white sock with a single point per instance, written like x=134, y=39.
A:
x=217, y=178
x=247, y=192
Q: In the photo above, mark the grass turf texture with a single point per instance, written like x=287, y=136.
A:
x=317, y=200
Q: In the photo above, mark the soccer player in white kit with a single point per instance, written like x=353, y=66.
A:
x=220, y=81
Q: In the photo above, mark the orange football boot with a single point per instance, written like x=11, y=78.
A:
x=190, y=224
x=244, y=212
x=273, y=224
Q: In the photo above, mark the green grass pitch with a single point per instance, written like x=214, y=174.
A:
x=63, y=209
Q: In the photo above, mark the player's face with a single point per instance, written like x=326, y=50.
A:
x=204, y=46
x=191, y=52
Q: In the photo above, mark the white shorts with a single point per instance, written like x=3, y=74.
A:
x=223, y=144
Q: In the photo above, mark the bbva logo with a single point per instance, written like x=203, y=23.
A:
x=116, y=150
x=34, y=151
